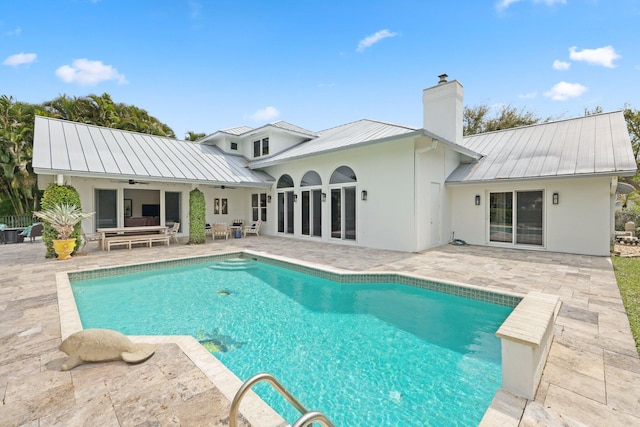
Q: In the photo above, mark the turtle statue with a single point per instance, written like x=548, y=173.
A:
x=102, y=345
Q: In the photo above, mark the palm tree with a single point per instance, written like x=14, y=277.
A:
x=17, y=180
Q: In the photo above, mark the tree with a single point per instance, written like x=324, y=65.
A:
x=100, y=110
x=194, y=136
x=633, y=126
x=18, y=187
x=477, y=120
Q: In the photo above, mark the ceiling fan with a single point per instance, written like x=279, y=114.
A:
x=223, y=187
x=132, y=182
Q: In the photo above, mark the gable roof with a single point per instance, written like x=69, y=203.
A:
x=62, y=147
x=349, y=135
x=591, y=145
x=242, y=131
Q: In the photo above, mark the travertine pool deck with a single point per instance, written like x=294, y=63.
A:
x=592, y=375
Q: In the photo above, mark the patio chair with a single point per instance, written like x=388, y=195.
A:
x=221, y=229
x=173, y=231
x=33, y=231
x=254, y=228
x=91, y=237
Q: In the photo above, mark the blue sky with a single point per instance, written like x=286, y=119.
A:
x=208, y=65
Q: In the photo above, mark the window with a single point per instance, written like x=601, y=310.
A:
x=259, y=206
x=261, y=147
x=343, y=203
x=106, y=208
x=522, y=225
x=234, y=146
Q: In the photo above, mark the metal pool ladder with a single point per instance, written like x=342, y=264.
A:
x=307, y=418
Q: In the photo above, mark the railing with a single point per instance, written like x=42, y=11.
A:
x=307, y=417
x=14, y=221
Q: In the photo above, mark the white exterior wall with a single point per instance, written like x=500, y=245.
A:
x=385, y=171
x=434, y=162
x=579, y=224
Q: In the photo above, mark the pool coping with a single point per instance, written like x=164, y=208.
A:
x=254, y=409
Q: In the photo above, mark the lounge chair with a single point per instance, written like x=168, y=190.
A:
x=173, y=231
x=254, y=228
x=221, y=229
x=91, y=237
x=32, y=231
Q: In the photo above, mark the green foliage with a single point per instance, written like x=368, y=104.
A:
x=627, y=271
x=102, y=111
x=477, y=119
x=63, y=218
x=18, y=183
x=194, y=136
x=58, y=195
x=197, y=217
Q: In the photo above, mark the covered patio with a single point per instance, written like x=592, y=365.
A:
x=592, y=375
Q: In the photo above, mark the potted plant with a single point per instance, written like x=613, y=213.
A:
x=63, y=218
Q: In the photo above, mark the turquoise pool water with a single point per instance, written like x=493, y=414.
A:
x=377, y=354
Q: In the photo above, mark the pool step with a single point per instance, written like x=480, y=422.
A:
x=236, y=264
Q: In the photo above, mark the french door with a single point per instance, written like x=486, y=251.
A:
x=343, y=213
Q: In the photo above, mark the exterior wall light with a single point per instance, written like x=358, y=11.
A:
x=268, y=199
x=364, y=195
x=324, y=197
x=477, y=200
x=556, y=198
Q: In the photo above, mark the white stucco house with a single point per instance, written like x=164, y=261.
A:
x=368, y=183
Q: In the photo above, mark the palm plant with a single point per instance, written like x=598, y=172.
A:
x=63, y=218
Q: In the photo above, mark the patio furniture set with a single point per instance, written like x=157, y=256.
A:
x=237, y=229
x=18, y=234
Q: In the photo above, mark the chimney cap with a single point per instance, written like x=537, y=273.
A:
x=443, y=78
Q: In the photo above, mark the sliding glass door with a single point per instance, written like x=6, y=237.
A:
x=522, y=225
x=106, y=208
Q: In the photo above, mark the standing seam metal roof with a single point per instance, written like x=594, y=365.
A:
x=591, y=145
x=61, y=147
x=340, y=137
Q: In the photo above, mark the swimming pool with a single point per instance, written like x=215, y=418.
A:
x=362, y=353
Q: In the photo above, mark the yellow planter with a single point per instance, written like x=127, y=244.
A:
x=64, y=248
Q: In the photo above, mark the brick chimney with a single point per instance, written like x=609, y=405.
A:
x=442, y=109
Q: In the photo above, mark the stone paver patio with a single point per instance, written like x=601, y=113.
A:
x=592, y=375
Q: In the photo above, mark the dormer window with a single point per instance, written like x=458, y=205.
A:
x=261, y=147
x=234, y=146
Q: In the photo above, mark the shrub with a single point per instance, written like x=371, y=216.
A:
x=57, y=195
x=197, y=217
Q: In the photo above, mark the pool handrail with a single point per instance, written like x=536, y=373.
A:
x=307, y=418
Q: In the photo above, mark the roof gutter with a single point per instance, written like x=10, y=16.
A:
x=546, y=178
x=41, y=171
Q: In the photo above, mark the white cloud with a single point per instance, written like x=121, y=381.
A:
x=87, y=73
x=265, y=114
x=530, y=95
x=601, y=56
x=503, y=4
x=561, y=65
x=20, y=59
x=563, y=91
x=373, y=39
